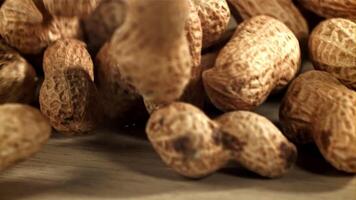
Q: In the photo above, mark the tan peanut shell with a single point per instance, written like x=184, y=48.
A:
x=194, y=34
x=102, y=23
x=332, y=8
x=70, y=8
x=332, y=48
x=214, y=16
x=317, y=107
x=184, y=137
x=256, y=143
x=68, y=97
x=65, y=54
x=24, y=27
x=154, y=56
x=283, y=10
x=18, y=78
x=23, y=132
x=263, y=56
x=118, y=97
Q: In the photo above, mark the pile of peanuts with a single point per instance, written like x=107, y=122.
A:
x=73, y=65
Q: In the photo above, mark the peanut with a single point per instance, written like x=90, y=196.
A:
x=332, y=48
x=103, y=22
x=194, y=35
x=263, y=56
x=332, y=8
x=117, y=95
x=23, y=132
x=70, y=8
x=28, y=28
x=214, y=16
x=283, y=10
x=256, y=143
x=154, y=56
x=196, y=146
x=18, y=79
x=68, y=94
x=184, y=138
x=317, y=107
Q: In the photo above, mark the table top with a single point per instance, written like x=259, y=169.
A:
x=121, y=164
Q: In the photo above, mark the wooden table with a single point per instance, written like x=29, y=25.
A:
x=121, y=164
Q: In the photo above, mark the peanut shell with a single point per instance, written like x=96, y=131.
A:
x=332, y=8
x=332, y=48
x=23, y=132
x=184, y=137
x=262, y=57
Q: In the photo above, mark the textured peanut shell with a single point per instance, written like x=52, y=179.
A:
x=65, y=54
x=263, y=56
x=304, y=96
x=317, y=107
x=103, y=22
x=71, y=8
x=332, y=48
x=332, y=8
x=69, y=100
x=118, y=97
x=154, y=56
x=185, y=138
x=214, y=16
x=283, y=10
x=256, y=143
x=24, y=27
x=17, y=77
x=23, y=132
x=194, y=34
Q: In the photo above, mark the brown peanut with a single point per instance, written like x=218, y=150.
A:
x=154, y=56
x=332, y=8
x=263, y=56
x=317, y=107
x=283, y=10
x=23, y=132
x=332, y=48
x=68, y=95
x=256, y=143
x=18, y=79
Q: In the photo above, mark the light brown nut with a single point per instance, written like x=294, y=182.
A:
x=70, y=8
x=26, y=28
x=317, y=107
x=256, y=143
x=332, y=48
x=118, y=97
x=194, y=34
x=68, y=96
x=283, y=10
x=214, y=16
x=332, y=8
x=103, y=22
x=154, y=56
x=17, y=77
x=65, y=54
x=185, y=138
x=263, y=56
x=305, y=94
x=23, y=132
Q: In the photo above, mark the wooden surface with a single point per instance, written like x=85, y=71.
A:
x=121, y=164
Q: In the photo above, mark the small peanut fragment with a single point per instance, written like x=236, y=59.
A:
x=256, y=143
x=23, y=132
x=332, y=48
